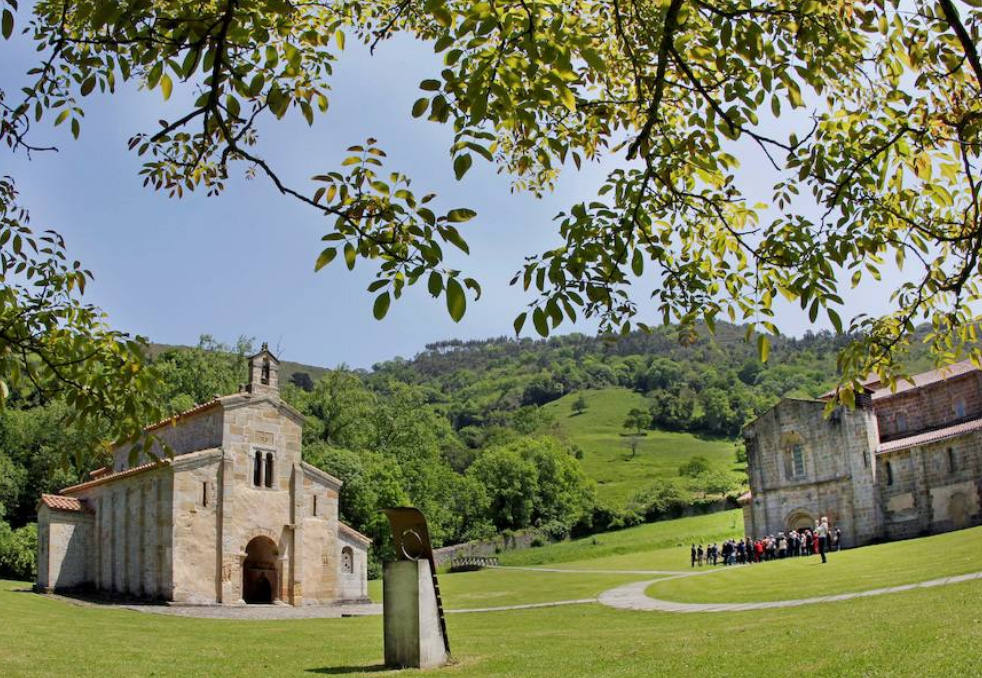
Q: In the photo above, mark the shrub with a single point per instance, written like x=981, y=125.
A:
x=555, y=530
x=18, y=551
x=662, y=499
x=694, y=467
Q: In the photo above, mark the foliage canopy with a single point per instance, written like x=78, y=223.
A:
x=867, y=115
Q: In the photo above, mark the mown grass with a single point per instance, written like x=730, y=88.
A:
x=607, y=454
x=928, y=632
x=654, y=546
x=852, y=570
x=502, y=587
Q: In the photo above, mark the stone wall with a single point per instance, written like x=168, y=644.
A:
x=932, y=488
x=352, y=580
x=195, y=432
x=932, y=406
x=833, y=474
x=65, y=547
x=321, y=549
x=133, y=533
x=196, y=558
x=487, y=547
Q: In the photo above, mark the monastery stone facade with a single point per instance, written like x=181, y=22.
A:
x=903, y=463
x=233, y=516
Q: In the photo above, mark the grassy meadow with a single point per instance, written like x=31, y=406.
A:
x=654, y=546
x=891, y=564
x=607, y=452
x=921, y=632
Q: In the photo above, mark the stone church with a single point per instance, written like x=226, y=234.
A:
x=233, y=516
x=905, y=462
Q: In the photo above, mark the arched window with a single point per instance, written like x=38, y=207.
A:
x=889, y=474
x=952, y=465
x=257, y=469
x=347, y=560
x=315, y=504
x=264, y=376
x=798, y=457
x=269, y=469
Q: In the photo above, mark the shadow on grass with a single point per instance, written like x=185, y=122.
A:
x=343, y=670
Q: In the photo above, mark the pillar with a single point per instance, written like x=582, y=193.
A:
x=413, y=637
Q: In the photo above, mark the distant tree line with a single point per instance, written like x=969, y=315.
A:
x=457, y=431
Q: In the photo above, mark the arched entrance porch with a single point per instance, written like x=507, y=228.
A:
x=799, y=520
x=260, y=580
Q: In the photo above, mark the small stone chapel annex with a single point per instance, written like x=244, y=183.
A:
x=234, y=516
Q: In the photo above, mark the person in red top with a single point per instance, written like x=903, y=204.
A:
x=758, y=550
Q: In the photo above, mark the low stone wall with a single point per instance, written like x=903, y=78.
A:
x=486, y=548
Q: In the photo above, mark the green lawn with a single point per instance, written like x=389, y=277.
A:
x=654, y=546
x=860, y=569
x=922, y=632
x=933, y=632
x=607, y=455
x=498, y=588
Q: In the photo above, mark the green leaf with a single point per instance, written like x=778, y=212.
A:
x=460, y=215
x=435, y=284
x=430, y=85
x=350, y=254
x=519, y=323
x=567, y=98
x=381, y=307
x=763, y=347
x=541, y=322
x=166, y=86
x=7, y=24
x=339, y=37
x=326, y=257
x=87, y=86
x=637, y=263
x=461, y=164
x=419, y=108
x=456, y=300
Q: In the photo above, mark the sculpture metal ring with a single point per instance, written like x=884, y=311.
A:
x=410, y=550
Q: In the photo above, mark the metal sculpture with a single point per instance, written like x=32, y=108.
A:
x=411, y=539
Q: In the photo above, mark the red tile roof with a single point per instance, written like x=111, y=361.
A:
x=930, y=436
x=354, y=533
x=58, y=503
x=118, y=474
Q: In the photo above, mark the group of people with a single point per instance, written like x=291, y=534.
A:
x=795, y=543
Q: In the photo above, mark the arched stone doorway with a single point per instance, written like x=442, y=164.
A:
x=259, y=572
x=799, y=520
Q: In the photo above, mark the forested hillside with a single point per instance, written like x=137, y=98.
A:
x=572, y=434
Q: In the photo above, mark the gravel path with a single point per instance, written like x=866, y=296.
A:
x=632, y=597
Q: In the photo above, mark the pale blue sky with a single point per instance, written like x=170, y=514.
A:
x=242, y=263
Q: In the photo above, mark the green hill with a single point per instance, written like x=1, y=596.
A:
x=607, y=454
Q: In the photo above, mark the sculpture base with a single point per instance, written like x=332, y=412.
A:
x=413, y=638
